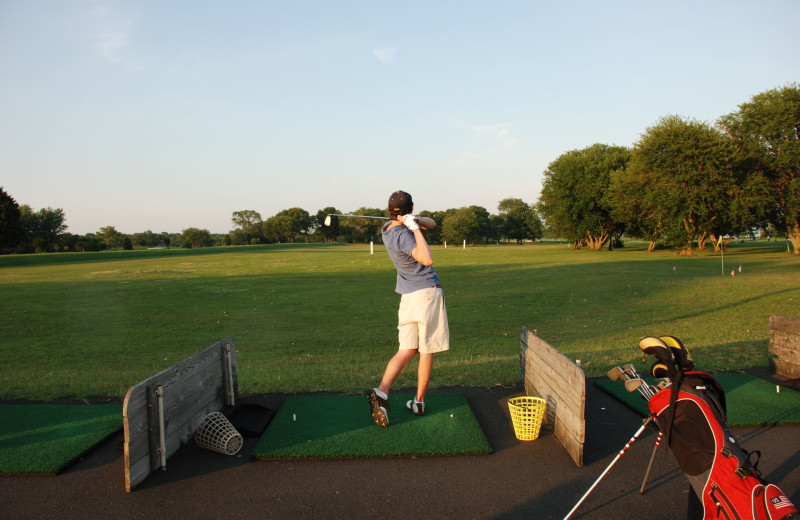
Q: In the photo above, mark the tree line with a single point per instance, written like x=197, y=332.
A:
x=685, y=183
x=23, y=230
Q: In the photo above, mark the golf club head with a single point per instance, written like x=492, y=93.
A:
x=662, y=382
x=631, y=385
x=682, y=356
x=615, y=373
x=631, y=371
x=327, y=220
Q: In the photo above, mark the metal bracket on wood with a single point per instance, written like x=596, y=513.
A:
x=158, y=444
x=229, y=392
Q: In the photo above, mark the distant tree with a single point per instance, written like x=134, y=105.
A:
x=278, y=228
x=572, y=200
x=195, y=237
x=11, y=231
x=363, y=229
x=248, y=224
x=287, y=224
x=110, y=237
x=127, y=243
x=329, y=233
x=766, y=132
x=41, y=229
x=519, y=220
x=434, y=236
x=470, y=224
x=146, y=239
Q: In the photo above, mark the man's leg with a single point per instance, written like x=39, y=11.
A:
x=424, y=375
x=395, y=367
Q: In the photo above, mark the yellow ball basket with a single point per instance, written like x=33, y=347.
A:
x=526, y=414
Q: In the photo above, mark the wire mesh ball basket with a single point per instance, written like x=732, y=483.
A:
x=216, y=433
x=527, y=414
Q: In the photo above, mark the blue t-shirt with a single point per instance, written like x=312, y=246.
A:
x=411, y=275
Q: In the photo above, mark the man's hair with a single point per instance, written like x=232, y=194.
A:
x=400, y=203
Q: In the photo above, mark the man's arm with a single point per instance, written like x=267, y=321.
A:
x=422, y=252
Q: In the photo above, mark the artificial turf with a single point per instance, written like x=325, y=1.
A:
x=751, y=401
x=45, y=438
x=340, y=426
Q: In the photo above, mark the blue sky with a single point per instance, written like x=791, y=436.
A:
x=164, y=115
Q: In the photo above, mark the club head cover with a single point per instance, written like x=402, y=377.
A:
x=658, y=349
x=682, y=356
x=659, y=370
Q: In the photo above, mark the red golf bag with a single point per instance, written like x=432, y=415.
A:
x=692, y=415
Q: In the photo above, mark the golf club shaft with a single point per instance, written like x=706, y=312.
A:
x=356, y=216
x=619, y=455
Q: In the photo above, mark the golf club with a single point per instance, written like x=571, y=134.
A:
x=645, y=389
x=424, y=222
x=619, y=455
x=615, y=373
x=631, y=374
x=632, y=385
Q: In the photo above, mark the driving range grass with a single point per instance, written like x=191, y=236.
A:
x=323, y=317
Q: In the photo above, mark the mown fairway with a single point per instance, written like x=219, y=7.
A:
x=323, y=317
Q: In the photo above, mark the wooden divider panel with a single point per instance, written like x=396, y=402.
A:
x=552, y=376
x=162, y=413
x=784, y=346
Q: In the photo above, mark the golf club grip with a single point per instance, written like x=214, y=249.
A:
x=426, y=223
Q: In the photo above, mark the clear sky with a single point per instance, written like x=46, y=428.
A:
x=164, y=115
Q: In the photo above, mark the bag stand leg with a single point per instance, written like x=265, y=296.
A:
x=650, y=465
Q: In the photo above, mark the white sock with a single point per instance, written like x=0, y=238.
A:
x=380, y=393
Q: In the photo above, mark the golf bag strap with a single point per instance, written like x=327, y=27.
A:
x=673, y=401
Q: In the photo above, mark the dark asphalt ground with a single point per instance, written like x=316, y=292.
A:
x=531, y=480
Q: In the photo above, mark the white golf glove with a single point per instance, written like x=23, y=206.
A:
x=411, y=222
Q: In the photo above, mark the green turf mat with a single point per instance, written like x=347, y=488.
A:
x=45, y=438
x=341, y=427
x=751, y=401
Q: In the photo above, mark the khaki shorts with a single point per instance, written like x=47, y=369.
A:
x=422, y=321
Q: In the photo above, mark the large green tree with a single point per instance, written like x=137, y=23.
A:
x=766, y=131
x=573, y=201
x=685, y=183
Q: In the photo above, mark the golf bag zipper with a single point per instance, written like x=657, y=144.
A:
x=716, y=494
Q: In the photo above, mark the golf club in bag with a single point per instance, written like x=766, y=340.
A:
x=691, y=413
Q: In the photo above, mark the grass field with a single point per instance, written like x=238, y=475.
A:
x=323, y=317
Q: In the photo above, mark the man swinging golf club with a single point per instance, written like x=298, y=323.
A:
x=422, y=318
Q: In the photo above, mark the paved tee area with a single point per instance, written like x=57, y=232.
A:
x=531, y=480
